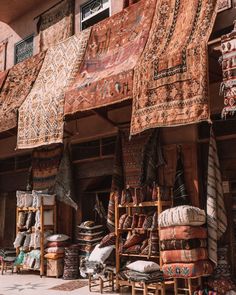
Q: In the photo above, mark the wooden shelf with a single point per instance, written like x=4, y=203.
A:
x=146, y=204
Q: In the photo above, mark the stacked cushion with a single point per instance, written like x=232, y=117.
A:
x=183, y=242
x=88, y=236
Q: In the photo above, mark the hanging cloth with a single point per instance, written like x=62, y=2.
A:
x=152, y=159
x=64, y=185
x=181, y=196
x=216, y=213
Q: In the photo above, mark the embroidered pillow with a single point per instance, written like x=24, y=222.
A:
x=122, y=220
x=135, y=221
x=141, y=220
x=143, y=266
x=108, y=240
x=147, y=222
x=134, y=240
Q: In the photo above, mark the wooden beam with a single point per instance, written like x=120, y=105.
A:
x=103, y=115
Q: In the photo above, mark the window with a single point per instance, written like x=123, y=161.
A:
x=93, y=12
x=24, y=49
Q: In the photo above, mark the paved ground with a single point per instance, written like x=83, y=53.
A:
x=32, y=284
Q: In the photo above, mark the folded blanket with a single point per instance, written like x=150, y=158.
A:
x=182, y=215
x=187, y=270
x=183, y=233
x=183, y=244
x=184, y=255
x=135, y=276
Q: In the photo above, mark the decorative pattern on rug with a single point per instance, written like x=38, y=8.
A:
x=41, y=115
x=114, y=48
x=216, y=213
x=17, y=86
x=56, y=25
x=3, y=46
x=224, y=4
x=170, y=82
x=132, y=153
x=45, y=165
x=228, y=86
x=71, y=286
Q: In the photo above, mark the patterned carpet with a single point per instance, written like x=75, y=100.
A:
x=70, y=286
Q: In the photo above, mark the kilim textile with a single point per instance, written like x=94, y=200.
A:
x=114, y=48
x=216, y=213
x=183, y=233
x=70, y=286
x=17, y=86
x=56, y=25
x=132, y=154
x=3, y=46
x=152, y=159
x=41, y=115
x=183, y=244
x=64, y=186
x=228, y=86
x=224, y=4
x=182, y=215
x=187, y=270
x=184, y=255
x=170, y=82
x=181, y=196
x=45, y=165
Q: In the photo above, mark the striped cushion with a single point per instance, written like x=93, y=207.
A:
x=128, y=222
x=108, y=240
x=141, y=220
x=136, y=249
x=134, y=240
x=183, y=233
x=147, y=222
x=182, y=215
x=135, y=221
x=184, y=255
x=122, y=220
x=183, y=244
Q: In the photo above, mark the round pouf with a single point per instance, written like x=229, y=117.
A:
x=71, y=264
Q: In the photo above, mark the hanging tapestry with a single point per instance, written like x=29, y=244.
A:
x=224, y=4
x=17, y=86
x=170, y=81
x=3, y=47
x=152, y=159
x=45, y=165
x=64, y=187
x=132, y=157
x=114, y=47
x=56, y=25
x=41, y=115
x=216, y=213
x=180, y=195
x=228, y=86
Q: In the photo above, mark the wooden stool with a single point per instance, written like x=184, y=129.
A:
x=189, y=288
x=154, y=288
x=7, y=264
x=101, y=282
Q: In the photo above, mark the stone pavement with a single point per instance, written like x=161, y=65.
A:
x=32, y=284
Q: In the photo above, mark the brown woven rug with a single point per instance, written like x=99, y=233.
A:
x=70, y=286
x=171, y=80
